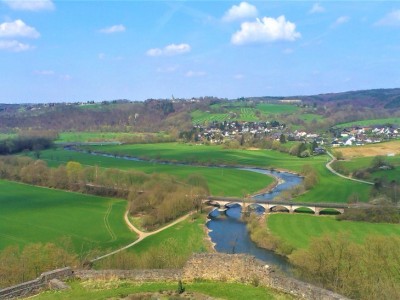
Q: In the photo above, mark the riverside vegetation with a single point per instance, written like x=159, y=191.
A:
x=364, y=268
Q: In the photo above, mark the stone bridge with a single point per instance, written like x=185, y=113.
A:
x=223, y=204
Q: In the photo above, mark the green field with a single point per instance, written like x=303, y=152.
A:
x=330, y=188
x=188, y=236
x=371, y=122
x=226, y=181
x=86, y=136
x=268, y=109
x=299, y=229
x=365, y=162
x=310, y=117
x=114, y=289
x=4, y=136
x=238, y=111
x=32, y=214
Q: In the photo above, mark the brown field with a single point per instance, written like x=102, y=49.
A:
x=384, y=149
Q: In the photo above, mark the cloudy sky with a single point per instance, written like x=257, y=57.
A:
x=103, y=50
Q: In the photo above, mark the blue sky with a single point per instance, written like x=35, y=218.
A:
x=52, y=51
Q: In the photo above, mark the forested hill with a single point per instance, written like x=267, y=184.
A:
x=383, y=98
x=176, y=115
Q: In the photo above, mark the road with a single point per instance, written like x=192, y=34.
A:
x=329, y=167
x=141, y=235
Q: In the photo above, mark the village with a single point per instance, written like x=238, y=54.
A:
x=221, y=132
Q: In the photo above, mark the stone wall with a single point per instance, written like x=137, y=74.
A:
x=29, y=287
x=136, y=275
x=247, y=269
x=207, y=266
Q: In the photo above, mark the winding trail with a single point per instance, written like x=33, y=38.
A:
x=329, y=167
x=141, y=235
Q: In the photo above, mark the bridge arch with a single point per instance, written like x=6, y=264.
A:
x=304, y=209
x=330, y=211
x=279, y=208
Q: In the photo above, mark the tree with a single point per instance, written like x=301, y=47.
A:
x=282, y=139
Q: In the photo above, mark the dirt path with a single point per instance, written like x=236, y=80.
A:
x=141, y=234
x=329, y=167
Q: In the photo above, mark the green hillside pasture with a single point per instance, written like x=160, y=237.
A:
x=180, y=240
x=268, y=109
x=365, y=162
x=371, y=122
x=330, y=188
x=114, y=289
x=222, y=182
x=86, y=136
x=4, y=136
x=310, y=117
x=202, y=117
x=299, y=229
x=189, y=153
x=32, y=214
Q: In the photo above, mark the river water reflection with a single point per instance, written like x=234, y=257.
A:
x=229, y=233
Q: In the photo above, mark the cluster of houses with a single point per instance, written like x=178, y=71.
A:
x=358, y=136
x=220, y=132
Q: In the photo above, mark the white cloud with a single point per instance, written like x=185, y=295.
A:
x=113, y=29
x=391, y=19
x=14, y=46
x=238, y=76
x=18, y=28
x=101, y=56
x=32, y=5
x=317, y=9
x=195, y=73
x=169, y=50
x=265, y=30
x=238, y=12
x=341, y=20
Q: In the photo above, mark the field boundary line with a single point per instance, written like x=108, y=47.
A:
x=107, y=223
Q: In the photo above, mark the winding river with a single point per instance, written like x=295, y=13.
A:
x=227, y=231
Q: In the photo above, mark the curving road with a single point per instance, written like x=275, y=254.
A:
x=142, y=235
x=329, y=167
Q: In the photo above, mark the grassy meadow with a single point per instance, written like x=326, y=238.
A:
x=268, y=109
x=365, y=162
x=114, y=289
x=299, y=229
x=371, y=122
x=239, y=111
x=330, y=187
x=97, y=136
x=32, y=214
x=183, y=238
x=226, y=181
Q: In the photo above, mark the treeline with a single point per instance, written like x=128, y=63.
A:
x=19, y=265
x=379, y=214
x=160, y=198
x=359, y=271
x=30, y=141
x=161, y=203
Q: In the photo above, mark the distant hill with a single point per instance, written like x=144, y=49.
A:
x=382, y=98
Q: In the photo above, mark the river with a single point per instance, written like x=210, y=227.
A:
x=227, y=231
